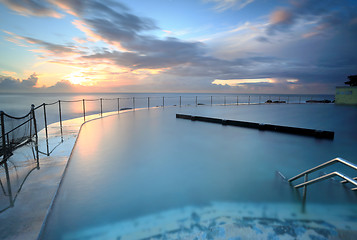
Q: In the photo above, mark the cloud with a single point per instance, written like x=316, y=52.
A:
x=281, y=16
x=62, y=86
x=240, y=82
x=32, y=8
x=223, y=5
x=312, y=41
x=46, y=48
x=8, y=83
x=324, y=14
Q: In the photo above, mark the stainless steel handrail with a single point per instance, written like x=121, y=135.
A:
x=345, y=181
x=329, y=175
x=333, y=161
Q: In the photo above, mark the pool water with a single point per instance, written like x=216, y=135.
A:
x=142, y=166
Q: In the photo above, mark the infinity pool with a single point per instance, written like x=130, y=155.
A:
x=146, y=171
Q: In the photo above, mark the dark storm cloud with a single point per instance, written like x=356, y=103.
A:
x=10, y=83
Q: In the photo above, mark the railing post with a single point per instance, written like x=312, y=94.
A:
x=101, y=107
x=118, y=105
x=211, y=101
x=60, y=117
x=180, y=101
x=3, y=135
x=148, y=102
x=36, y=136
x=5, y=158
x=304, y=193
x=46, y=131
x=84, y=110
x=8, y=142
x=133, y=103
x=163, y=101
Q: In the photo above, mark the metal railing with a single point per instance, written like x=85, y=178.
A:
x=121, y=103
x=328, y=163
x=20, y=131
x=307, y=182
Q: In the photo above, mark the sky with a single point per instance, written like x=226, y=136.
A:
x=233, y=46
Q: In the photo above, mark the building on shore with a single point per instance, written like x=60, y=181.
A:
x=347, y=94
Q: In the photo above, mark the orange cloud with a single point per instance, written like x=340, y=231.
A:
x=280, y=16
x=93, y=37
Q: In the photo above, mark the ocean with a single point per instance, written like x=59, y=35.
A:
x=19, y=104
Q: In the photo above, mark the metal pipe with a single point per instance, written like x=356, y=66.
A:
x=3, y=135
x=84, y=110
x=60, y=117
x=329, y=175
x=118, y=105
x=345, y=181
x=36, y=137
x=8, y=141
x=101, y=107
x=333, y=161
x=306, y=179
x=46, y=131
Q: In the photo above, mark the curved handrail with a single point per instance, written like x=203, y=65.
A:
x=333, y=161
x=329, y=175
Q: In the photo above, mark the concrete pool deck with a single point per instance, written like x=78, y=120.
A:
x=24, y=220
x=218, y=221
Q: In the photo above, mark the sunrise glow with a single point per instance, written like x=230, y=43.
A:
x=216, y=46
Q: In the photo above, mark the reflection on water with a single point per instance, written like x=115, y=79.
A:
x=12, y=178
x=145, y=162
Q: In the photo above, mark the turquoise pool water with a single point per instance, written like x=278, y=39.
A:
x=135, y=168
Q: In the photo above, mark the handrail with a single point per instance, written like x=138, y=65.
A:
x=333, y=161
x=329, y=175
x=345, y=181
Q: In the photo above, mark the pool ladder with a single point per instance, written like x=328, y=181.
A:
x=326, y=176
